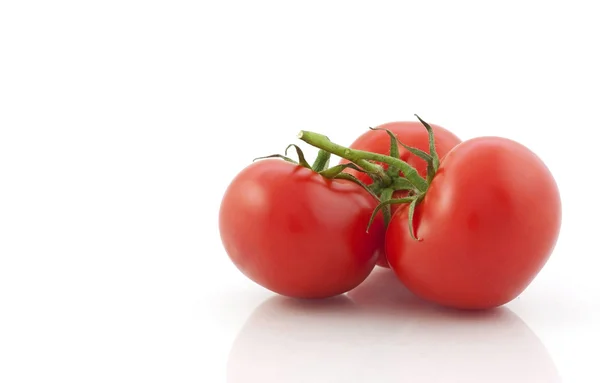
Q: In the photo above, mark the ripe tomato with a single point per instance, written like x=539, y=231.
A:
x=411, y=133
x=297, y=233
x=487, y=226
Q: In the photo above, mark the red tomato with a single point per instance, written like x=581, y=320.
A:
x=487, y=226
x=411, y=133
x=297, y=233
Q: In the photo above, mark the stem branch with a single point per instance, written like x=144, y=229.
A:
x=361, y=158
x=322, y=161
x=322, y=142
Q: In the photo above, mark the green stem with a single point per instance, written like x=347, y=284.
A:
x=322, y=142
x=386, y=195
x=322, y=161
x=361, y=158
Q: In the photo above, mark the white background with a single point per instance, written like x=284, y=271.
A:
x=122, y=122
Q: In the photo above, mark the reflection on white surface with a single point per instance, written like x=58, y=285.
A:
x=381, y=333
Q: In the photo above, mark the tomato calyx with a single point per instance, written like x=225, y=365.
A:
x=321, y=161
x=399, y=176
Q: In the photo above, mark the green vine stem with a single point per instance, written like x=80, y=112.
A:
x=386, y=195
x=362, y=158
x=322, y=161
x=385, y=182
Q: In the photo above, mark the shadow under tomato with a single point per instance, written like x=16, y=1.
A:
x=381, y=332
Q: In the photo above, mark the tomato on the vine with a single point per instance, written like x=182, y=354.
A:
x=411, y=133
x=475, y=221
x=297, y=233
x=485, y=227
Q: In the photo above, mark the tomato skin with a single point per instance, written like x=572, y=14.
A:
x=487, y=225
x=411, y=133
x=297, y=233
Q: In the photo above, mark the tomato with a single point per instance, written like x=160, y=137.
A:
x=486, y=226
x=297, y=233
x=411, y=133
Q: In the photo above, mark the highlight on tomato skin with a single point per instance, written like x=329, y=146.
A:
x=410, y=133
x=486, y=227
x=297, y=233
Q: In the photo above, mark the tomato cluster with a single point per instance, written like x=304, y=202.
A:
x=464, y=224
